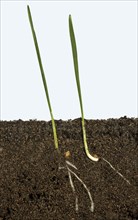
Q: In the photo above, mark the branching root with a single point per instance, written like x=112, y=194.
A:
x=70, y=173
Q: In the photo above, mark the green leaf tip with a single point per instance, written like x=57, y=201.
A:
x=28, y=9
x=70, y=17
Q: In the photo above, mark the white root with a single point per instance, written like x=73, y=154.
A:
x=73, y=189
x=70, y=173
x=76, y=204
x=84, y=185
x=89, y=194
x=116, y=171
x=71, y=182
x=61, y=168
x=69, y=164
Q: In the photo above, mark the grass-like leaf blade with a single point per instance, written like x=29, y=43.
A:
x=43, y=76
x=76, y=68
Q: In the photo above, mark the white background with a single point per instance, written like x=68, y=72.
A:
x=106, y=35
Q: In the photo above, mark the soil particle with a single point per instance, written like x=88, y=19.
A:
x=33, y=187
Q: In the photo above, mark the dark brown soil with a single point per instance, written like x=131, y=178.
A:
x=32, y=187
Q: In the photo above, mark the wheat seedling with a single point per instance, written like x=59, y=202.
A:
x=76, y=68
x=43, y=77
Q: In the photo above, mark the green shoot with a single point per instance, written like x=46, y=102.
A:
x=76, y=68
x=43, y=77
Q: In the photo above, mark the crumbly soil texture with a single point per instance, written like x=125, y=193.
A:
x=35, y=183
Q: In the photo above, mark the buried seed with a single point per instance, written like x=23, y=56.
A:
x=67, y=154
